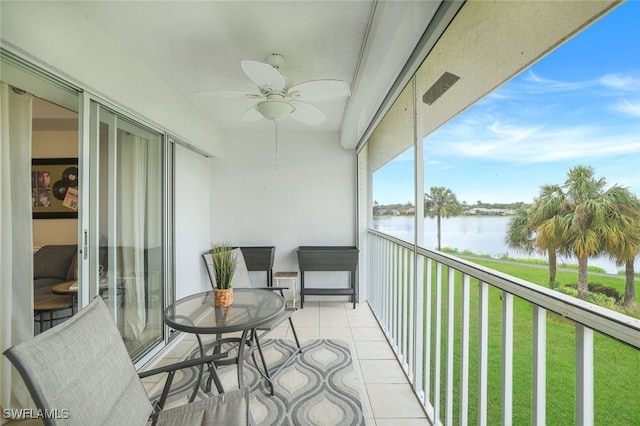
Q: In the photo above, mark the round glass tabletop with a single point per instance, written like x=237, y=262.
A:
x=197, y=314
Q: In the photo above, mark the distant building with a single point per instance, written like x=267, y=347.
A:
x=490, y=212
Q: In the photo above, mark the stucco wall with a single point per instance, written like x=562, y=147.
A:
x=309, y=199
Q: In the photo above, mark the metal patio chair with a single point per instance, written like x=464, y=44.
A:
x=241, y=280
x=80, y=373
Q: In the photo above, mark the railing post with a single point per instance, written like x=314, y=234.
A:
x=483, y=353
x=507, y=358
x=464, y=351
x=539, y=390
x=584, y=375
x=450, y=349
x=438, y=345
x=427, y=333
x=419, y=324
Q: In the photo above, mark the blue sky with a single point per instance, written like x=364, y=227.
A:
x=578, y=105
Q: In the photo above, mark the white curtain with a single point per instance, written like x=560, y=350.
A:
x=16, y=247
x=139, y=207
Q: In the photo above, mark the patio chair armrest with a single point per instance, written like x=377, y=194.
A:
x=183, y=364
x=172, y=368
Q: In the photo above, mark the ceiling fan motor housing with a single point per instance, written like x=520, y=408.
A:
x=275, y=60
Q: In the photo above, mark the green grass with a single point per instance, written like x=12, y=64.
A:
x=617, y=388
x=526, y=260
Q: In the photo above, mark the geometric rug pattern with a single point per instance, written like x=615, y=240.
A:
x=319, y=387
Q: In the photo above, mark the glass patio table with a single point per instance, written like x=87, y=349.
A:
x=196, y=314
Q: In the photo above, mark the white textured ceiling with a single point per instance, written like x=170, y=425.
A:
x=198, y=45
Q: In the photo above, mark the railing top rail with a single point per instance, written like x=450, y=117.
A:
x=614, y=324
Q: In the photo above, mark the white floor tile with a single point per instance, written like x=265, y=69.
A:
x=382, y=371
x=374, y=350
x=387, y=397
x=394, y=401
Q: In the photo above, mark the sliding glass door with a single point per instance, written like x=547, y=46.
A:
x=125, y=233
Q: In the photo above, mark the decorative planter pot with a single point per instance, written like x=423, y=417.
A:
x=223, y=298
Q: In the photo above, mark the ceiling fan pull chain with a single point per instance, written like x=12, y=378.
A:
x=276, y=122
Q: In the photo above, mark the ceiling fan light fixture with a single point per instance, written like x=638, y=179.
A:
x=275, y=109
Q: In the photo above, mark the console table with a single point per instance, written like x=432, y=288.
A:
x=328, y=258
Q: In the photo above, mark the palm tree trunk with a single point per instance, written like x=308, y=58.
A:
x=629, y=288
x=438, y=220
x=552, y=268
x=583, y=288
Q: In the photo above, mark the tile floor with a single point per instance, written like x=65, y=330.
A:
x=386, y=395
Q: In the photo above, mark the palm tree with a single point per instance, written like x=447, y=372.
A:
x=520, y=233
x=441, y=202
x=539, y=228
x=585, y=224
x=623, y=235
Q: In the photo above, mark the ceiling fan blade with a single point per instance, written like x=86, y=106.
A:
x=251, y=114
x=320, y=90
x=225, y=94
x=263, y=75
x=308, y=114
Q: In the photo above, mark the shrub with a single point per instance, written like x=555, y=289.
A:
x=600, y=295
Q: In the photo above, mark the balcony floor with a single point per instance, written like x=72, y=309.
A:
x=386, y=395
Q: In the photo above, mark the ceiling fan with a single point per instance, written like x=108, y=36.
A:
x=276, y=101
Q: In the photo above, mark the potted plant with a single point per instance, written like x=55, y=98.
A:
x=224, y=263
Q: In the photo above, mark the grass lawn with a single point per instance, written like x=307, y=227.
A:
x=617, y=367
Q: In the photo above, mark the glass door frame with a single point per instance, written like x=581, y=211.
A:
x=88, y=216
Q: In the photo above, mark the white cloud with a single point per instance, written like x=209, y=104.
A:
x=627, y=107
x=513, y=144
x=541, y=84
x=618, y=82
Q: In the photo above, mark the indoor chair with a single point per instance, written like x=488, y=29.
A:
x=80, y=373
x=241, y=280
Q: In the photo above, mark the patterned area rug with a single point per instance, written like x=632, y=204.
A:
x=319, y=387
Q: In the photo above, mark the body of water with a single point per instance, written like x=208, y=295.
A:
x=479, y=234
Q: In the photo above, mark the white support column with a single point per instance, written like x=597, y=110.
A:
x=584, y=375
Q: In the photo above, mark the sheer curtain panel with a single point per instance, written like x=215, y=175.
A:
x=16, y=246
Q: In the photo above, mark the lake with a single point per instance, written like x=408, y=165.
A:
x=479, y=234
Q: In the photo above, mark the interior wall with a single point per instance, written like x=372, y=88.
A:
x=307, y=199
x=55, y=144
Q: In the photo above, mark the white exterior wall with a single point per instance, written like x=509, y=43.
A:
x=309, y=199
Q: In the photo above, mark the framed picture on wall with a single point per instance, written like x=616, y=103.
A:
x=54, y=188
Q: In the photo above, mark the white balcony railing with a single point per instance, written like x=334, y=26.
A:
x=423, y=302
